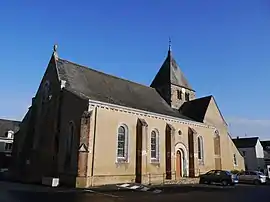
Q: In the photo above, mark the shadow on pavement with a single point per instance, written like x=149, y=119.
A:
x=25, y=196
x=169, y=189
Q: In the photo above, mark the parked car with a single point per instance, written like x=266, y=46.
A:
x=253, y=177
x=219, y=177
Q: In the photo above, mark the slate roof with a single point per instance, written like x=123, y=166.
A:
x=170, y=73
x=103, y=87
x=6, y=125
x=245, y=142
x=196, y=109
x=266, y=144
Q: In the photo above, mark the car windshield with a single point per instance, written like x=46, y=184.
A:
x=210, y=172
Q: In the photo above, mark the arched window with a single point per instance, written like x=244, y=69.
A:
x=179, y=94
x=216, y=143
x=122, y=143
x=154, y=146
x=234, y=160
x=200, y=148
x=187, y=96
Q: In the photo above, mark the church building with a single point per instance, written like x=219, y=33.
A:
x=88, y=128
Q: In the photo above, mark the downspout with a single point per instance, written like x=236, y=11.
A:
x=93, y=148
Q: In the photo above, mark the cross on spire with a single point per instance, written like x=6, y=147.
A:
x=55, y=51
x=170, y=44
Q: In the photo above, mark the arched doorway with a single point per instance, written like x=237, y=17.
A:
x=179, y=164
x=181, y=160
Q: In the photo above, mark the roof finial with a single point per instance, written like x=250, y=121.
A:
x=55, y=51
x=170, y=44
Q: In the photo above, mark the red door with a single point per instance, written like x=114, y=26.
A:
x=178, y=164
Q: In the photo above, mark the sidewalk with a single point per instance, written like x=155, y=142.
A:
x=128, y=187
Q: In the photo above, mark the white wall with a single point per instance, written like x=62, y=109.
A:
x=260, y=154
x=259, y=150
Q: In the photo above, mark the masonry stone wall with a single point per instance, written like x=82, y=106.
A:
x=107, y=170
x=39, y=149
x=176, y=103
x=228, y=149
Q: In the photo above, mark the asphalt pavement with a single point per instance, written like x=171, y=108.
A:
x=184, y=193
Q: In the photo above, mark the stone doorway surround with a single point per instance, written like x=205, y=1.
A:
x=184, y=169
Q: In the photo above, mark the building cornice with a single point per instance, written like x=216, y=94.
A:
x=138, y=112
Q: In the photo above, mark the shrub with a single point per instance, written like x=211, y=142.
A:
x=235, y=172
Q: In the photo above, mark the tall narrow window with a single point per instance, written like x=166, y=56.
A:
x=200, y=148
x=69, y=143
x=187, y=96
x=179, y=94
x=122, y=143
x=234, y=160
x=154, y=146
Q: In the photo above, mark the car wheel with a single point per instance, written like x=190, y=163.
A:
x=257, y=182
x=224, y=183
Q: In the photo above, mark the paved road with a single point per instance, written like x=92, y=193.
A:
x=245, y=193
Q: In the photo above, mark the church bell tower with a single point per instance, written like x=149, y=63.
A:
x=171, y=83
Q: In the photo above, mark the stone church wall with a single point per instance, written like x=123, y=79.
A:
x=108, y=171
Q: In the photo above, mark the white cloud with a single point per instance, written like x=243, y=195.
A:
x=251, y=128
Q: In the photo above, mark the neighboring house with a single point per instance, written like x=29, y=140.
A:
x=7, y=130
x=89, y=128
x=266, y=148
x=252, y=150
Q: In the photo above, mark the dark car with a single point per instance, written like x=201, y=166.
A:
x=219, y=177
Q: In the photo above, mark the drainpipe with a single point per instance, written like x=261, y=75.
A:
x=93, y=149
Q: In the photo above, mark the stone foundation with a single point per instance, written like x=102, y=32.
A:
x=110, y=179
x=184, y=180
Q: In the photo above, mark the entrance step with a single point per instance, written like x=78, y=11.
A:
x=139, y=187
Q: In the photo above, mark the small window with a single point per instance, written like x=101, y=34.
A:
x=179, y=132
x=234, y=159
x=122, y=143
x=187, y=96
x=179, y=94
x=154, y=145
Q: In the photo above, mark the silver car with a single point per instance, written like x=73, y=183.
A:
x=254, y=177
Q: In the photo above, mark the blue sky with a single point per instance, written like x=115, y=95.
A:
x=223, y=48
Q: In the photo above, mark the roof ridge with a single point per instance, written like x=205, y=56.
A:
x=11, y=120
x=208, y=96
x=241, y=138
x=113, y=76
